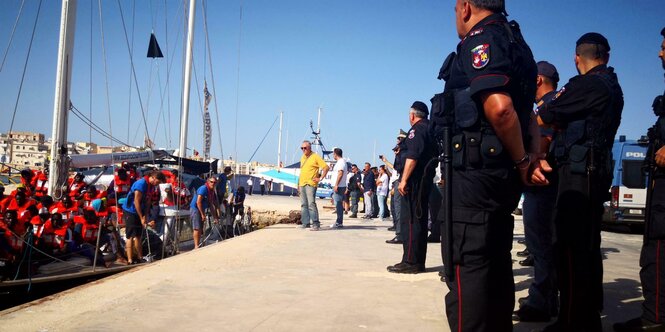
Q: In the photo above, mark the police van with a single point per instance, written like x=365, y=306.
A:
x=628, y=192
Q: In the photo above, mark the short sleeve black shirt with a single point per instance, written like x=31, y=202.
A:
x=419, y=147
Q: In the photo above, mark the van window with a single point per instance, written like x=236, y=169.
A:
x=633, y=175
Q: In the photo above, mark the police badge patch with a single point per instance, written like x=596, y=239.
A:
x=412, y=133
x=481, y=56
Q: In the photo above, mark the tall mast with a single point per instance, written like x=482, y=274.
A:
x=279, y=141
x=286, y=147
x=318, y=122
x=57, y=166
x=318, y=137
x=188, y=78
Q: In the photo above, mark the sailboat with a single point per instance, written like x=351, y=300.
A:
x=61, y=161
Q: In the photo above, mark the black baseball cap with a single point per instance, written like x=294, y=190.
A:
x=548, y=70
x=420, y=106
x=593, y=38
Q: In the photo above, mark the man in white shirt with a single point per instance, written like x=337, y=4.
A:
x=249, y=185
x=339, y=174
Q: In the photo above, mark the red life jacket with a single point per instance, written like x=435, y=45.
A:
x=23, y=211
x=15, y=242
x=41, y=185
x=120, y=186
x=28, y=186
x=4, y=203
x=67, y=212
x=152, y=193
x=88, y=198
x=118, y=213
x=37, y=225
x=75, y=188
x=54, y=238
x=88, y=230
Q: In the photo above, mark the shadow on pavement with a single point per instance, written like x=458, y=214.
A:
x=623, y=301
x=605, y=251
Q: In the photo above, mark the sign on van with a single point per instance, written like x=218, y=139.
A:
x=636, y=154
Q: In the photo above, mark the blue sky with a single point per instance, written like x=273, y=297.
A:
x=364, y=62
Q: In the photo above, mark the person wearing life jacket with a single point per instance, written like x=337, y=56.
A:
x=56, y=237
x=40, y=183
x=4, y=200
x=6, y=252
x=86, y=226
x=24, y=206
x=46, y=202
x=131, y=171
x=67, y=207
x=38, y=222
x=180, y=191
x=119, y=187
x=136, y=209
x=26, y=181
x=14, y=231
x=90, y=194
x=76, y=185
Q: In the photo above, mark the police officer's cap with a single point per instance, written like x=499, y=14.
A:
x=420, y=106
x=548, y=70
x=401, y=134
x=593, y=38
x=662, y=32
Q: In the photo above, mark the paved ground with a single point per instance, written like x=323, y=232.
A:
x=286, y=279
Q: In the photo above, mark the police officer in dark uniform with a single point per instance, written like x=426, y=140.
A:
x=490, y=87
x=415, y=183
x=653, y=310
x=587, y=110
x=538, y=218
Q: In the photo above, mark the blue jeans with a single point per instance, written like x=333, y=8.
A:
x=382, y=205
x=308, y=206
x=338, y=197
x=538, y=212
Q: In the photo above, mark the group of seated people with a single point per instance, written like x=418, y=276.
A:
x=70, y=225
x=82, y=212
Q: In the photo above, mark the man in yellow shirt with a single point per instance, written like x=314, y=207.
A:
x=310, y=165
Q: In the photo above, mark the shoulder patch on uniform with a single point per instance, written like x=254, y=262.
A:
x=559, y=93
x=476, y=32
x=412, y=133
x=481, y=56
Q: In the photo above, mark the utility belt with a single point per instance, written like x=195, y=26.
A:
x=574, y=148
x=478, y=150
x=474, y=142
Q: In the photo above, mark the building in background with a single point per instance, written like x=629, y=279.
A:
x=22, y=149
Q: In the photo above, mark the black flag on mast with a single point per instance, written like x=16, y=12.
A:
x=153, y=48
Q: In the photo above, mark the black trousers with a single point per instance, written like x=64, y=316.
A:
x=482, y=292
x=652, y=274
x=435, y=202
x=579, y=267
x=413, y=217
x=263, y=189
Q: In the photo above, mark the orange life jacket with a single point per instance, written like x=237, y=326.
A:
x=15, y=242
x=75, y=188
x=41, y=185
x=54, y=238
x=67, y=212
x=88, y=230
x=120, y=186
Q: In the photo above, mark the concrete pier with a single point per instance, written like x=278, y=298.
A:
x=286, y=279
